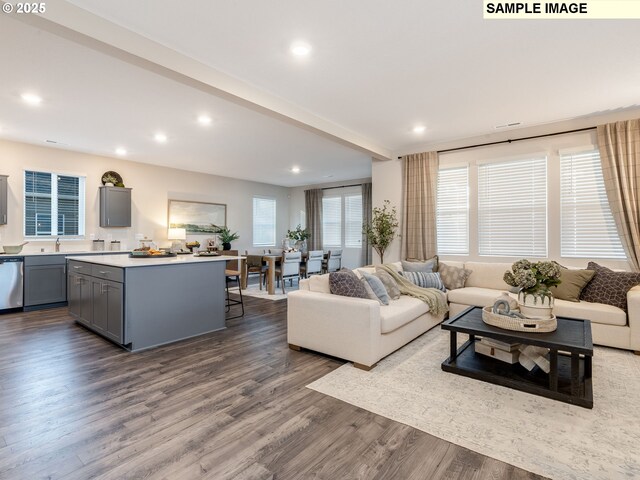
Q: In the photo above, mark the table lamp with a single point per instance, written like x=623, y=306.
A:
x=178, y=235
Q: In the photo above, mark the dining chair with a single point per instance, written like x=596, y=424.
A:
x=334, y=261
x=289, y=268
x=255, y=264
x=314, y=263
x=232, y=274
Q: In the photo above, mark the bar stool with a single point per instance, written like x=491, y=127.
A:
x=232, y=274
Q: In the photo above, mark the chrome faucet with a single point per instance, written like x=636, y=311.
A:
x=58, y=244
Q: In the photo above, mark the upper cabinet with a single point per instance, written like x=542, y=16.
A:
x=115, y=207
x=3, y=199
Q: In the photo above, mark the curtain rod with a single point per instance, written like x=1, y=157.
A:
x=343, y=186
x=514, y=140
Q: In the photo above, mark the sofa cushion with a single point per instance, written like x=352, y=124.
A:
x=426, y=266
x=377, y=287
x=319, y=283
x=487, y=275
x=424, y=280
x=345, y=283
x=453, y=277
x=596, y=312
x=370, y=293
x=389, y=283
x=572, y=282
x=609, y=287
x=400, y=312
x=477, y=296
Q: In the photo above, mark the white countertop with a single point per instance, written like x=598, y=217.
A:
x=70, y=253
x=124, y=261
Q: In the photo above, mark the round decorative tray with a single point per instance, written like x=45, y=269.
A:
x=110, y=176
x=534, y=325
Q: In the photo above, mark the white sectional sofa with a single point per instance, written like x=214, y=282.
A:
x=364, y=332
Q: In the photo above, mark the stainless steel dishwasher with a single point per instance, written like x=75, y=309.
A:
x=11, y=283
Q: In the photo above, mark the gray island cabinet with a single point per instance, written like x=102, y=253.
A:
x=141, y=303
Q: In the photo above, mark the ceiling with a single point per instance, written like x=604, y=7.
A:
x=376, y=70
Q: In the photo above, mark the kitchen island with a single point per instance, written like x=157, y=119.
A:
x=140, y=303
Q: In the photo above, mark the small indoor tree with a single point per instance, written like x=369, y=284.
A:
x=382, y=229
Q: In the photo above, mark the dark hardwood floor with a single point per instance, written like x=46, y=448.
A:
x=232, y=404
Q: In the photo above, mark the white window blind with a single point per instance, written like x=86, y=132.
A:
x=452, y=211
x=512, y=208
x=332, y=221
x=53, y=204
x=353, y=221
x=264, y=222
x=588, y=228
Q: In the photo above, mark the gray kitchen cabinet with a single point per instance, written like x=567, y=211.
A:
x=45, y=280
x=107, y=298
x=4, y=196
x=115, y=207
x=79, y=295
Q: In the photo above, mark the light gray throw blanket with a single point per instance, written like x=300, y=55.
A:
x=434, y=298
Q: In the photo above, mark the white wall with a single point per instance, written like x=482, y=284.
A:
x=152, y=188
x=387, y=175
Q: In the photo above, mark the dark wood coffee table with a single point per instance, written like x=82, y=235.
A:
x=571, y=353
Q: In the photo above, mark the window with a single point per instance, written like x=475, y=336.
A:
x=264, y=222
x=342, y=219
x=512, y=208
x=53, y=204
x=588, y=228
x=452, y=211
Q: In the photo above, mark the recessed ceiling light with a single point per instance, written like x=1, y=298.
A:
x=204, y=120
x=121, y=151
x=160, y=137
x=419, y=129
x=31, y=98
x=300, y=49
x=295, y=170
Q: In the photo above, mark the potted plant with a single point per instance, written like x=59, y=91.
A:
x=226, y=237
x=533, y=280
x=382, y=229
x=300, y=236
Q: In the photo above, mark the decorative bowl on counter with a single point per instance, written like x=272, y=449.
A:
x=13, y=249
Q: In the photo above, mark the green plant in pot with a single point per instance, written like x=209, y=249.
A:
x=300, y=236
x=226, y=237
x=533, y=279
x=382, y=229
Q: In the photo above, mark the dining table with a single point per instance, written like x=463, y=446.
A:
x=271, y=259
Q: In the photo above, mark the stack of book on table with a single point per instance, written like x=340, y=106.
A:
x=507, y=352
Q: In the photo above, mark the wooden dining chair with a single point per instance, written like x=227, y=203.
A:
x=333, y=263
x=289, y=268
x=232, y=274
x=255, y=264
x=314, y=263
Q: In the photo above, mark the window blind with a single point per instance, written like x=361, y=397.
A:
x=264, y=222
x=332, y=221
x=353, y=221
x=588, y=228
x=452, y=211
x=512, y=208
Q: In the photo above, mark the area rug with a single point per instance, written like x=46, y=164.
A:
x=254, y=291
x=543, y=436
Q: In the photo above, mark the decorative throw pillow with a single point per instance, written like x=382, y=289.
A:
x=572, y=282
x=344, y=282
x=389, y=284
x=609, y=287
x=453, y=277
x=377, y=287
x=427, y=266
x=370, y=294
x=424, y=280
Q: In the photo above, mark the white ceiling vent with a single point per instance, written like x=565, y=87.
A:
x=507, y=125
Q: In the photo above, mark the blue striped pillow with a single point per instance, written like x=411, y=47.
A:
x=425, y=280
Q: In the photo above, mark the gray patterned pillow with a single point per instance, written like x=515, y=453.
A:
x=389, y=283
x=344, y=282
x=424, y=280
x=377, y=287
x=609, y=287
x=453, y=277
x=426, y=266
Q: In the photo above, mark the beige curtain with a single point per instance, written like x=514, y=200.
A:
x=313, y=213
x=420, y=179
x=619, y=145
x=367, y=257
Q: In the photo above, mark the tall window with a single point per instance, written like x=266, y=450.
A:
x=512, y=208
x=452, y=211
x=342, y=220
x=588, y=228
x=53, y=204
x=264, y=222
